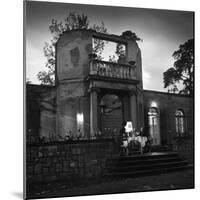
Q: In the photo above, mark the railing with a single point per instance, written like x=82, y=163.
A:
x=113, y=70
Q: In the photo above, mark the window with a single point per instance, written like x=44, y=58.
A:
x=154, y=125
x=179, y=121
x=108, y=51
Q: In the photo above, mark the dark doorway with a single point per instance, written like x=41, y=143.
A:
x=111, y=114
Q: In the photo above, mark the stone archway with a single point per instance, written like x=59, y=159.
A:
x=111, y=114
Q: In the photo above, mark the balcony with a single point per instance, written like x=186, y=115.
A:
x=112, y=70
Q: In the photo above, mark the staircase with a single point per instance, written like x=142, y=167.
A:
x=146, y=164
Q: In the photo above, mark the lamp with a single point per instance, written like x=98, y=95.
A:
x=154, y=104
x=79, y=118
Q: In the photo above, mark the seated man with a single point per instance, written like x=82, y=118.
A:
x=131, y=144
x=141, y=139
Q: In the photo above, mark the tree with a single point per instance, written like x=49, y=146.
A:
x=112, y=59
x=130, y=35
x=183, y=70
x=71, y=22
x=121, y=49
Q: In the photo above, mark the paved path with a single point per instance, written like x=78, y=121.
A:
x=175, y=180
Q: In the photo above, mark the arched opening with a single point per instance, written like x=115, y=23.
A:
x=111, y=115
x=154, y=125
x=179, y=121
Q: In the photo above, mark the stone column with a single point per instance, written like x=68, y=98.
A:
x=133, y=109
x=140, y=108
x=93, y=112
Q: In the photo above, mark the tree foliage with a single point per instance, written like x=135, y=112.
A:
x=98, y=44
x=130, y=35
x=183, y=70
x=120, y=50
x=112, y=59
x=71, y=22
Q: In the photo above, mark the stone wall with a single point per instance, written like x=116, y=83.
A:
x=40, y=112
x=167, y=104
x=185, y=148
x=70, y=160
x=72, y=55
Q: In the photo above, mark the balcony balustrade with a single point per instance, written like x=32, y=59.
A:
x=112, y=70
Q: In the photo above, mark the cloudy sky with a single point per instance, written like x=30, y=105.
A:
x=162, y=32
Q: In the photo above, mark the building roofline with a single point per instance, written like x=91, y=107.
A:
x=167, y=93
x=103, y=36
x=41, y=86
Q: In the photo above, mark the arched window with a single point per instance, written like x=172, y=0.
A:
x=179, y=120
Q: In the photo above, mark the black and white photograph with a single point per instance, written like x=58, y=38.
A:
x=108, y=98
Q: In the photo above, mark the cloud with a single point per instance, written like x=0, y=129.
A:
x=162, y=32
x=35, y=62
x=146, y=76
x=156, y=58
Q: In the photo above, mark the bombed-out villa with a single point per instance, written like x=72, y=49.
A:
x=73, y=127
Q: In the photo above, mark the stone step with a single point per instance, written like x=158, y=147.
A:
x=145, y=157
x=146, y=161
x=148, y=166
x=145, y=164
x=148, y=172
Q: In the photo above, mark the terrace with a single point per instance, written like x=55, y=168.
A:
x=112, y=70
x=109, y=59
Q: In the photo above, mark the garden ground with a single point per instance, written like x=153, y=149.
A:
x=173, y=180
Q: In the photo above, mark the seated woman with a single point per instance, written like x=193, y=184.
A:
x=123, y=140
